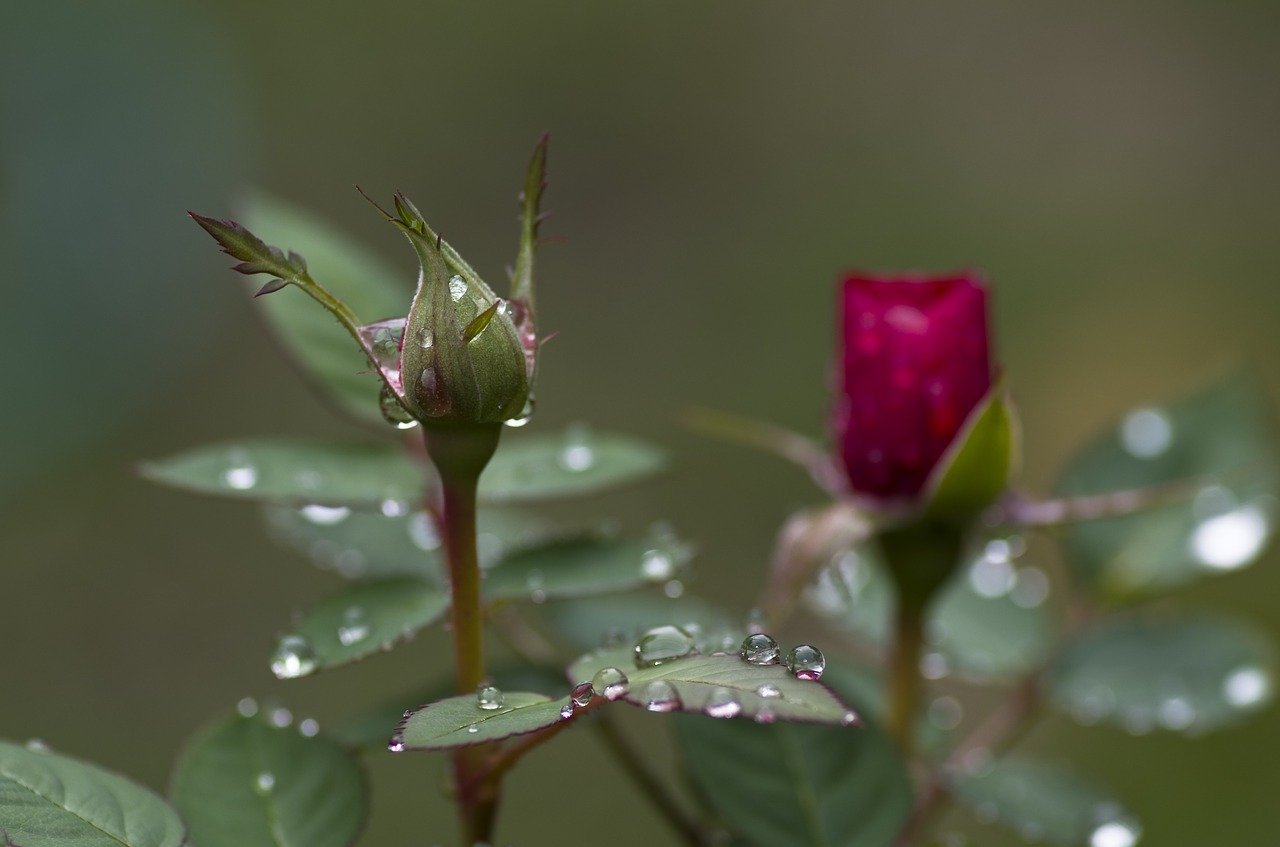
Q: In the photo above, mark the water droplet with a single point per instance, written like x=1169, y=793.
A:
x=1247, y=686
x=395, y=745
x=266, y=781
x=582, y=694
x=765, y=714
x=945, y=713
x=422, y=532
x=457, y=288
x=309, y=727
x=473, y=729
x=241, y=475
x=248, y=707
x=1231, y=540
x=294, y=657
x=324, y=515
x=576, y=453
x=849, y=719
x=806, y=662
x=392, y=412
x=656, y=565
x=1146, y=433
x=489, y=697
x=759, y=649
x=723, y=704
x=281, y=718
x=673, y=588
x=425, y=338
x=354, y=627
x=611, y=683
x=1031, y=588
x=1176, y=713
x=1115, y=834
x=661, y=696
x=526, y=415
x=933, y=666
x=392, y=508
x=769, y=692
x=37, y=745
x=991, y=577
x=429, y=380
x=663, y=644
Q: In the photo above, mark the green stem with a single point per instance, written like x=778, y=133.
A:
x=904, y=674
x=460, y=455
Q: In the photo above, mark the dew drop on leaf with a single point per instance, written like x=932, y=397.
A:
x=663, y=644
x=582, y=694
x=294, y=657
x=611, y=683
x=661, y=696
x=806, y=662
x=489, y=697
x=723, y=704
x=759, y=649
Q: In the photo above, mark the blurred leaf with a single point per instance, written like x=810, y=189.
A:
x=790, y=785
x=1219, y=439
x=374, y=726
x=357, y=622
x=576, y=567
x=246, y=783
x=989, y=622
x=977, y=465
x=723, y=685
x=1191, y=674
x=460, y=721
x=863, y=689
x=399, y=540
x=318, y=343
x=586, y=625
x=356, y=474
x=570, y=464
x=48, y=800
x=1045, y=803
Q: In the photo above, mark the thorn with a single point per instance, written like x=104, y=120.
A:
x=374, y=203
x=437, y=242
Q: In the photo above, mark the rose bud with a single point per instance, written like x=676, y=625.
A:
x=915, y=389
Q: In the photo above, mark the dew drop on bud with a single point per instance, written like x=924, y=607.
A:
x=663, y=644
x=759, y=649
x=612, y=683
x=723, y=704
x=294, y=657
x=392, y=412
x=582, y=694
x=457, y=288
x=661, y=696
x=806, y=662
x=489, y=697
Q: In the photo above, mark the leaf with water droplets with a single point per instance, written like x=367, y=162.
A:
x=302, y=472
x=1046, y=803
x=49, y=800
x=460, y=721
x=319, y=345
x=245, y=782
x=396, y=540
x=570, y=464
x=990, y=621
x=361, y=620
x=791, y=785
x=1218, y=444
x=700, y=683
x=582, y=566
x=586, y=625
x=1189, y=673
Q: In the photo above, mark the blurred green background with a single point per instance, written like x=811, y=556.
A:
x=715, y=165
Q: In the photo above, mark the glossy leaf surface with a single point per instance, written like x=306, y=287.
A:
x=49, y=800
x=588, y=624
x=460, y=721
x=569, y=464
x=577, y=567
x=245, y=782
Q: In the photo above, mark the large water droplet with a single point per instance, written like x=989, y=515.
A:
x=266, y=781
x=991, y=577
x=1231, y=540
x=806, y=662
x=759, y=649
x=661, y=696
x=324, y=515
x=611, y=683
x=489, y=697
x=663, y=644
x=576, y=453
x=425, y=338
x=1247, y=686
x=392, y=412
x=294, y=657
x=457, y=288
x=240, y=475
x=422, y=532
x=354, y=628
x=582, y=694
x=722, y=703
x=526, y=415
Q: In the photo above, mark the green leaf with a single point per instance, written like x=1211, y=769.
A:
x=791, y=785
x=357, y=622
x=320, y=346
x=977, y=465
x=460, y=721
x=1192, y=674
x=256, y=257
x=570, y=464
x=334, y=474
x=582, y=566
x=989, y=622
x=373, y=726
x=721, y=684
x=588, y=624
x=48, y=800
x=395, y=541
x=246, y=783
x=1046, y=803
x=1217, y=442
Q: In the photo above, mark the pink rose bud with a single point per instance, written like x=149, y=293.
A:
x=914, y=365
